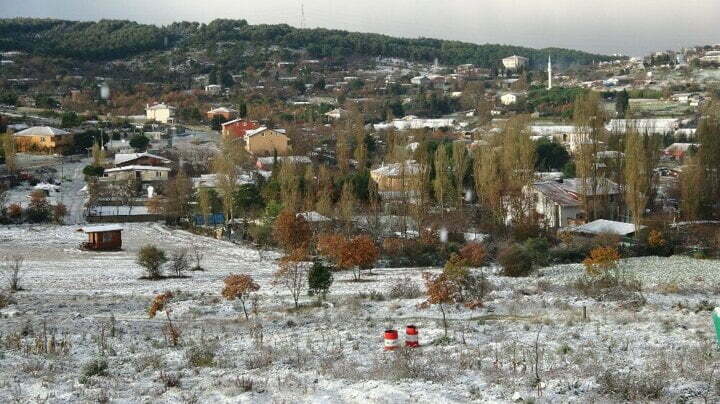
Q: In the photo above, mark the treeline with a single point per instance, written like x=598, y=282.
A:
x=107, y=39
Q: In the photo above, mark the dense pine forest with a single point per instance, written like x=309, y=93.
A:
x=108, y=40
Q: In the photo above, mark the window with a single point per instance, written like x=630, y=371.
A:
x=107, y=237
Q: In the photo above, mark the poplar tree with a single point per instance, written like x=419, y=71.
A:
x=442, y=185
x=589, y=117
x=8, y=144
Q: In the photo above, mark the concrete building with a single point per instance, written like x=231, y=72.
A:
x=265, y=142
x=560, y=203
x=510, y=98
x=222, y=112
x=43, y=139
x=144, y=174
x=515, y=62
x=160, y=113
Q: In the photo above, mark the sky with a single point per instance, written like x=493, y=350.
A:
x=630, y=27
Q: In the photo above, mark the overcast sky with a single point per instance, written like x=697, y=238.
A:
x=632, y=27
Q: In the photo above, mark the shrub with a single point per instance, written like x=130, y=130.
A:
x=93, y=171
x=12, y=270
x=14, y=211
x=151, y=258
x=638, y=386
x=95, y=367
x=515, y=261
x=201, y=355
x=601, y=260
x=319, y=280
x=474, y=254
x=537, y=248
x=405, y=288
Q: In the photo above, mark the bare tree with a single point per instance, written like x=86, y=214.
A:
x=197, y=256
x=12, y=270
x=179, y=262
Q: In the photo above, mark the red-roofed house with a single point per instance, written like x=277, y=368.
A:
x=237, y=127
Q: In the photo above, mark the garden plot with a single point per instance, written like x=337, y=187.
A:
x=528, y=342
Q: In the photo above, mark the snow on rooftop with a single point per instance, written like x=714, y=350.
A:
x=42, y=131
x=137, y=168
x=102, y=228
x=601, y=226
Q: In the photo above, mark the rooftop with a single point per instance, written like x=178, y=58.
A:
x=42, y=131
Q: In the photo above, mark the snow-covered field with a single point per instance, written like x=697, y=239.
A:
x=95, y=307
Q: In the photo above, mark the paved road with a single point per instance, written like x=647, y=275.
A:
x=69, y=194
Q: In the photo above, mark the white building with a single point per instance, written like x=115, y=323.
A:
x=160, y=113
x=515, y=62
x=213, y=89
x=510, y=98
x=413, y=122
x=560, y=203
x=140, y=173
x=655, y=126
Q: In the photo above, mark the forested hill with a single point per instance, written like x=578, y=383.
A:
x=106, y=40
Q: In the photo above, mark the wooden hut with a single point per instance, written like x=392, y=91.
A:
x=103, y=238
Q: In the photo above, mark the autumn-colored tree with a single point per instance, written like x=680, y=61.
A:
x=14, y=210
x=292, y=273
x=441, y=291
x=356, y=254
x=161, y=303
x=329, y=245
x=655, y=239
x=178, y=194
x=291, y=231
x=59, y=212
x=362, y=252
x=474, y=253
x=601, y=260
x=240, y=287
x=456, y=270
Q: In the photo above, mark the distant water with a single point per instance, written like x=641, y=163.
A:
x=631, y=27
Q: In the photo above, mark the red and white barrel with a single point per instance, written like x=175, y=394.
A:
x=411, y=336
x=391, y=340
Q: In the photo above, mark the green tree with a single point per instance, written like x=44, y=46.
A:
x=151, y=258
x=550, y=155
x=139, y=142
x=622, y=102
x=319, y=280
